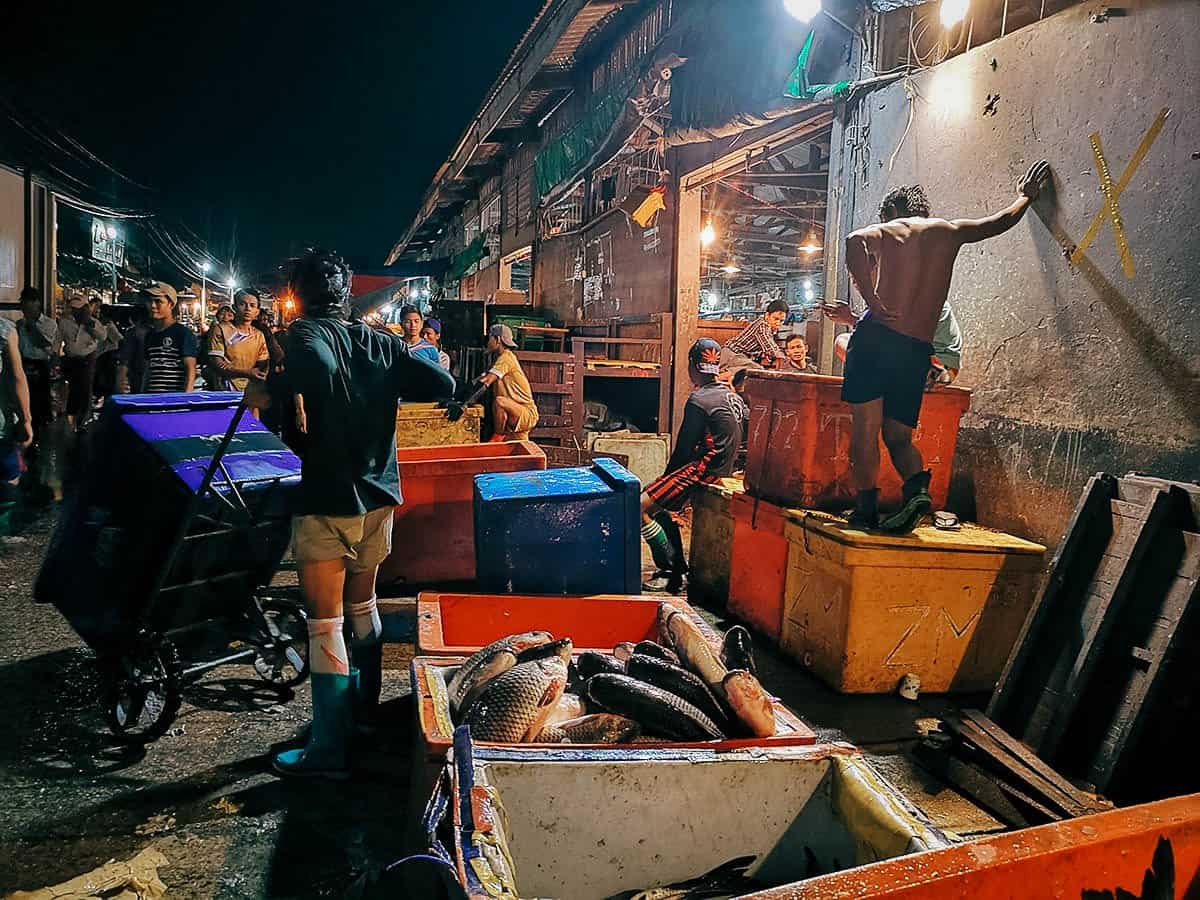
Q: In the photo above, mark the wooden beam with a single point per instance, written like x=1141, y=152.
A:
x=813, y=181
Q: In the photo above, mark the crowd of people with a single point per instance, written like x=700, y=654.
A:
x=69, y=363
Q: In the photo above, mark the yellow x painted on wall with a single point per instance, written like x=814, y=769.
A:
x=1111, y=210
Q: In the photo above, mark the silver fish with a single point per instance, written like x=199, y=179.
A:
x=569, y=706
x=599, y=728
x=514, y=642
x=514, y=706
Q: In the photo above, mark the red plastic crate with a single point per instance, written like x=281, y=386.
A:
x=451, y=624
x=758, y=563
x=799, y=444
x=433, y=532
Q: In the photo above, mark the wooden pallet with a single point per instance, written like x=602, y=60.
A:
x=1098, y=649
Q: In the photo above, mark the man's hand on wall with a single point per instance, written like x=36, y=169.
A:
x=1035, y=179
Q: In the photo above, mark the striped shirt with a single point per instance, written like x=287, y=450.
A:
x=165, y=353
x=757, y=341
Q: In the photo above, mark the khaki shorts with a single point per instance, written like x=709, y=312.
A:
x=527, y=421
x=362, y=541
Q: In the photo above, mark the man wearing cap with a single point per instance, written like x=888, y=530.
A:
x=171, y=347
x=755, y=347
x=514, y=412
x=432, y=334
x=81, y=336
x=705, y=451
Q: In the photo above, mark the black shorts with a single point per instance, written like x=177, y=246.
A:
x=884, y=363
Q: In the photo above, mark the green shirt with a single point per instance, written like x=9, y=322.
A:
x=947, y=340
x=352, y=377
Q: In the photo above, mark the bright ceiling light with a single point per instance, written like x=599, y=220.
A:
x=708, y=234
x=953, y=12
x=731, y=269
x=111, y=231
x=808, y=284
x=803, y=10
x=205, y=265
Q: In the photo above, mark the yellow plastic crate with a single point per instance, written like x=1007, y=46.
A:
x=862, y=610
x=424, y=425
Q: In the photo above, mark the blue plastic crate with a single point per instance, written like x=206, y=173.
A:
x=559, y=531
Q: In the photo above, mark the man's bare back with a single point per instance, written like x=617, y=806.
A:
x=902, y=266
x=911, y=262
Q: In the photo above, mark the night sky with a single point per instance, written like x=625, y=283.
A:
x=266, y=126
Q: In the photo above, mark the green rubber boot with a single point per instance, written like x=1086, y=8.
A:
x=916, y=504
x=325, y=754
x=368, y=662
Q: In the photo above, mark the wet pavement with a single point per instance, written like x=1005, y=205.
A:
x=71, y=798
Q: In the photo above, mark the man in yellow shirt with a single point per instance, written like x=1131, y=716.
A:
x=237, y=352
x=514, y=412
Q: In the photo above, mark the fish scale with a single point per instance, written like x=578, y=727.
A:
x=514, y=701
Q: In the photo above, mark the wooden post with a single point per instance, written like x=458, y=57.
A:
x=687, y=296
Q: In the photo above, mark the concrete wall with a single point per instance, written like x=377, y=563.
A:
x=612, y=267
x=1075, y=368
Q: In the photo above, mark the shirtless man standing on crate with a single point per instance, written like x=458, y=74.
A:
x=350, y=378
x=902, y=269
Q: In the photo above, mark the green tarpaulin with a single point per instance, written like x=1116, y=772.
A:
x=471, y=254
x=798, y=86
x=561, y=158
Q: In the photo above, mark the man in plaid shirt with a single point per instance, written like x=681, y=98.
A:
x=705, y=451
x=755, y=347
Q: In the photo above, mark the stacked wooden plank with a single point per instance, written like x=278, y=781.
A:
x=1001, y=774
x=1103, y=678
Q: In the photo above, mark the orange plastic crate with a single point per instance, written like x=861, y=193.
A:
x=437, y=729
x=798, y=451
x=758, y=563
x=433, y=533
x=459, y=624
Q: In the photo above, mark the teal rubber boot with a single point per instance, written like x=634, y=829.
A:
x=368, y=661
x=916, y=504
x=325, y=754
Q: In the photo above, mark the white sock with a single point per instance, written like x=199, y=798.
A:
x=327, y=647
x=365, y=621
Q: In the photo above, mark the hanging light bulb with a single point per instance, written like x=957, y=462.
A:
x=811, y=244
x=953, y=11
x=731, y=268
x=708, y=234
x=802, y=9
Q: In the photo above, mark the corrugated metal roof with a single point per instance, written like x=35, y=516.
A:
x=586, y=26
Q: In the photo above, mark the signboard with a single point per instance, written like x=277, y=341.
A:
x=106, y=249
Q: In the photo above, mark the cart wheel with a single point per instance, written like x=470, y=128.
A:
x=145, y=692
x=284, y=661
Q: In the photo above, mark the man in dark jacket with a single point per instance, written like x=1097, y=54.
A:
x=347, y=379
x=705, y=451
